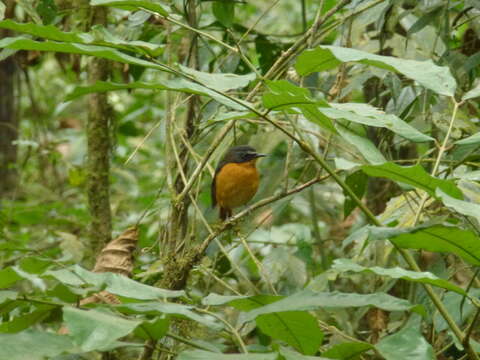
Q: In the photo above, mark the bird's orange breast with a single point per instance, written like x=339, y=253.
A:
x=236, y=184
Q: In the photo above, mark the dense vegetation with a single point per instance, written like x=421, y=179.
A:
x=362, y=241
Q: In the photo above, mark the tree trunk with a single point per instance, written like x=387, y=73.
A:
x=8, y=116
x=99, y=149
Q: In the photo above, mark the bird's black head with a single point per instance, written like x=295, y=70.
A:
x=242, y=153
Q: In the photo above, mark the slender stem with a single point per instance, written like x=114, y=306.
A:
x=441, y=151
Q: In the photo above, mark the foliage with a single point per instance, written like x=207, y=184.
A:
x=363, y=239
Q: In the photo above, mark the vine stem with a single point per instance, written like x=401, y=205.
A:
x=441, y=151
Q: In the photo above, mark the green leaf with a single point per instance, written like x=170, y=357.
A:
x=21, y=43
x=440, y=238
x=180, y=85
x=426, y=73
x=415, y=176
x=460, y=206
x=345, y=265
x=7, y=295
x=408, y=343
x=93, y=329
x=297, y=328
x=349, y=350
x=285, y=95
x=473, y=93
x=474, y=139
x=293, y=355
x=220, y=82
x=207, y=355
x=116, y=284
x=357, y=181
x=2, y=10
x=47, y=11
x=363, y=145
x=154, y=329
x=8, y=277
x=368, y=115
x=25, y=321
x=150, y=5
x=308, y=300
x=33, y=345
x=179, y=310
x=224, y=11
x=100, y=37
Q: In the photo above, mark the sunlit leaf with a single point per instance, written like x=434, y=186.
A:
x=345, y=265
x=408, y=343
x=179, y=310
x=363, y=145
x=298, y=329
x=93, y=329
x=207, y=355
x=474, y=139
x=434, y=77
x=151, y=5
x=309, y=300
x=440, y=238
x=415, y=176
x=220, y=81
x=473, y=93
x=33, y=345
x=113, y=283
x=461, y=206
x=348, y=350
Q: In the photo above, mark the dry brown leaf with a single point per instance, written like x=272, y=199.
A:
x=117, y=255
x=377, y=321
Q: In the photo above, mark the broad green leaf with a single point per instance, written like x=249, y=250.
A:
x=293, y=355
x=25, y=321
x=33, y=345
x=460, y=206
x=415, y=176
x=154, y=329
x=349, y=350
x=113, y=283
x=220, y=82
x=474, y=139
x=357, y=181
x=285, y=95
x=426, y=73
x=8, y=277
x=216, y=299
x=93, y=329
x=150, y=5
x=161, y=308
x=181, y=85
x=309, y=300
x=7, y=295
x=21, y=43
x=363, y=145
x=224, y=11
x=440, y=238
x=101, y=38
x=408, y=343
x=368, y=115
x=345, y=265
x=473, y=93
x=297, y=328
x=207, y=355
x=47, y=9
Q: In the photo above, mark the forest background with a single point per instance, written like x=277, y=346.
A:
x=362, y=241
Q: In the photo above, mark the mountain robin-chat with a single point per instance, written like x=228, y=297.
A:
x=236, y=179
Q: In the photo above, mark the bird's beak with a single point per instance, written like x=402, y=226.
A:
x=260, y=155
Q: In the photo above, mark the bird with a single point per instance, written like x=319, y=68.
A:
x=236, y=179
